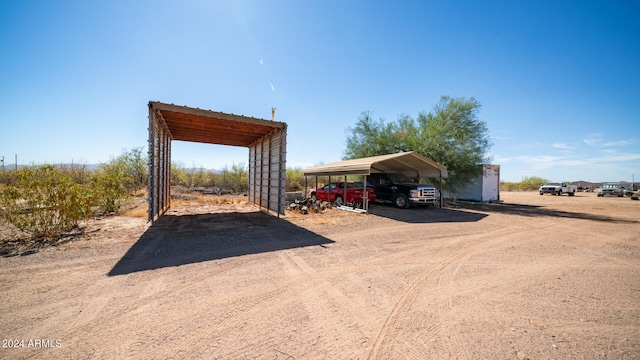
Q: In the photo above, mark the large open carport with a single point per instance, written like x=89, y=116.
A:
x=265, y=139
x=409, y=163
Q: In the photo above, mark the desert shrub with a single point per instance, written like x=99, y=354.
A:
x=108, y=189
x=532, y=183
x=178, y=175
x=527, y=184
x=199, y=178
x=9, y=177
x=294, y=186
x=509, y=186
x=79, y=173
x=193, y=177
x=130, y=168
x=45, y=202
x=295, y=179
x=113, y=182
x=238, y=177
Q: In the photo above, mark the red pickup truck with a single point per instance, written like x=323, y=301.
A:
x=336, y=192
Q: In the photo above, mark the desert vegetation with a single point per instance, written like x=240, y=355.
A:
x=234, y=179
x=50, y=200
x=47, y=200
x=527, y=184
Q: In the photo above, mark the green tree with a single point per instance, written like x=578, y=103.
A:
x=451, y=134
x=371, y=138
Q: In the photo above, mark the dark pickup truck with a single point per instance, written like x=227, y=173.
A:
x=401, y=191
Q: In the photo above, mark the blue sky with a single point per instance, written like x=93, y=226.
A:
x=559, y=81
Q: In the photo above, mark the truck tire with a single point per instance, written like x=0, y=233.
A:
x=572, y=193
x=401, y=201
x=541, y=193
x=338, y=201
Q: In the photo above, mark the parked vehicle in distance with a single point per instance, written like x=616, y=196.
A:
x=611, y=190
x=558, y=189
x=399, y=190
x=335, y=192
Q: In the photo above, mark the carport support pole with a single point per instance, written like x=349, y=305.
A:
x=345, y=189
x=441, y=198
x=366, y=197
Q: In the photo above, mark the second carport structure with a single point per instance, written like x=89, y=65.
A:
x=409, y=163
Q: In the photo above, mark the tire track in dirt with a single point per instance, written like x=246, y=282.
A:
x=502, y=283
x=96, y=314
x=388, y=334
x=328, y=288
x=311, y=289
x=235, y=315
x=448, y=314
x=351, y=323
x=304, y=282
x=445, y=291
x=390, y=328
x=232, y=312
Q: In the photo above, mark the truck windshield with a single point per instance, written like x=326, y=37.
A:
x=399, y=178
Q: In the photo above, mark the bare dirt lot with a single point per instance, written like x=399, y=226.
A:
x=537, y=277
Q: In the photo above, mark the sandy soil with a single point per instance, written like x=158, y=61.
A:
x=537, y=277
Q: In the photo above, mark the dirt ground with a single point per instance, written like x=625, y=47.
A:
x=536, y=277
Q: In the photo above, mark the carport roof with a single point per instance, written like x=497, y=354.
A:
x=212, y=127
x=408, y=163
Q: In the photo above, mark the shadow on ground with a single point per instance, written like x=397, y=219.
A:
x=534, y=210
x=178, y=240
x=424, y=215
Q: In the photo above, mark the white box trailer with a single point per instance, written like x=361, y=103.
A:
x=484, y=187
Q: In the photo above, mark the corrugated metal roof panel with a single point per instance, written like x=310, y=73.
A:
x=409, y=163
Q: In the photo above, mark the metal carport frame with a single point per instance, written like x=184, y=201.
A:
x=265, y=139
